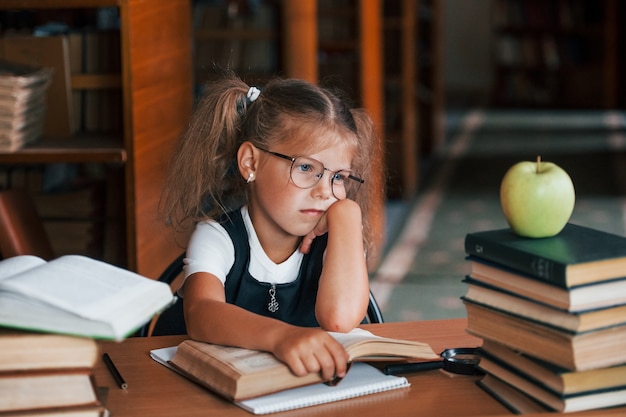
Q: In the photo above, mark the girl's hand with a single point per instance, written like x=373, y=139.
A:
x=322, y=225
x=320, y=228
x=306, y=350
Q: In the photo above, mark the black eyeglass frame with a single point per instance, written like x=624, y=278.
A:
x=293, y=159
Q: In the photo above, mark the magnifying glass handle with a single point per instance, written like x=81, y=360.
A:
x=407, y=368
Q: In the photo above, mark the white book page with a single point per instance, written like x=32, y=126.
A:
x=82, y=285
x=17, y=264
x=353, y=336
x=164, y=356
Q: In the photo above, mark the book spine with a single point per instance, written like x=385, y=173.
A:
x=534, y=266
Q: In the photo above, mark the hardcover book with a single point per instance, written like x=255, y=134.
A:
x=580, y=298
x=238, y=374
x=560, y=381
x=513, y=399
x=582, y=401
x=33, y=390
x=572, y=322
x=579, y=351
x=22, y=351
x=77, y=295
x=578, y=255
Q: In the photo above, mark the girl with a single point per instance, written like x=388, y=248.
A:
x=275, y=183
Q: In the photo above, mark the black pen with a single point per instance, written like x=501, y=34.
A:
x=116, y=374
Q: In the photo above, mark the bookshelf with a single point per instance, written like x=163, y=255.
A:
x=339, y=61
x=414, y=96
x=430, y=94
x=154, y=92
x=558, y=53
x=243, y=36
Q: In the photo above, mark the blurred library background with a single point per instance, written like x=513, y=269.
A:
x=460, y=90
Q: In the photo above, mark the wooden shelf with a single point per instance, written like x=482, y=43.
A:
x=79, y=149
x=155, y=95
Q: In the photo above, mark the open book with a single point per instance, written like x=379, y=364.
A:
x=239, y=374
x=77, y=295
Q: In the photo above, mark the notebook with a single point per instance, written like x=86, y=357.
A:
x=362, y=379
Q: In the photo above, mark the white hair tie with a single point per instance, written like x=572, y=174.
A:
x=253, y=94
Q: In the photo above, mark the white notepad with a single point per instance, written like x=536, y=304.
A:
x=362, y=379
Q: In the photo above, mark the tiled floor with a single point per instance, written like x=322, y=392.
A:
x=421, y=273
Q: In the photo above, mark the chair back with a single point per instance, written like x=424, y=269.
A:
x=21, y=229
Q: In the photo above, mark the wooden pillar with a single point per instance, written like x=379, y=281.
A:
x=410, y=118
x=610, y=55
x=300, y=39
x=370, y=50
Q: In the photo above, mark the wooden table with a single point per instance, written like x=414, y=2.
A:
x=154, y=390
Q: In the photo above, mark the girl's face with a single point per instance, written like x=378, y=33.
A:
x=281, y=210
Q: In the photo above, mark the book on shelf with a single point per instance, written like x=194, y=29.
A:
x=77, y=295
x=562, y=382
x=579, y=298
x=574, y=322
x=38, y=390
x=22, y=103
x=101, y=103
x=22, y=351
x=75, y=45
x=573, y=351
x=361, y=379
x=581, y=401
x=49, y=52
x=513, y=399
x=578, y=255
x=19, y=82
x=238, y=373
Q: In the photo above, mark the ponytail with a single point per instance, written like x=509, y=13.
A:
x=203, y=180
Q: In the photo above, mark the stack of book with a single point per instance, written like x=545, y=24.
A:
x=22, y=104
x=552, y=315
x=48, y=374
x=51, y=314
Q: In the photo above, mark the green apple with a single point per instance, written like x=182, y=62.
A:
x=537, y=198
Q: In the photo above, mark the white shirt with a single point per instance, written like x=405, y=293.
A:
x=211, y=250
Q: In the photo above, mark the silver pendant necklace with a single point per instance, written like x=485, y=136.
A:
x=272, y=306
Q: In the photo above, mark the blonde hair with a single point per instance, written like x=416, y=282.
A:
x=203, y=180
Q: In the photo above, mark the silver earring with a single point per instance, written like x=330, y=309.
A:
x=250, y=178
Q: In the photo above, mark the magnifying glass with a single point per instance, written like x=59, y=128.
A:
x=462, y=361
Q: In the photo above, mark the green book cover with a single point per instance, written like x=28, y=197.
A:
x=578, y=255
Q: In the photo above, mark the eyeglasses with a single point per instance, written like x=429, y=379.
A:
x=305, y=172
